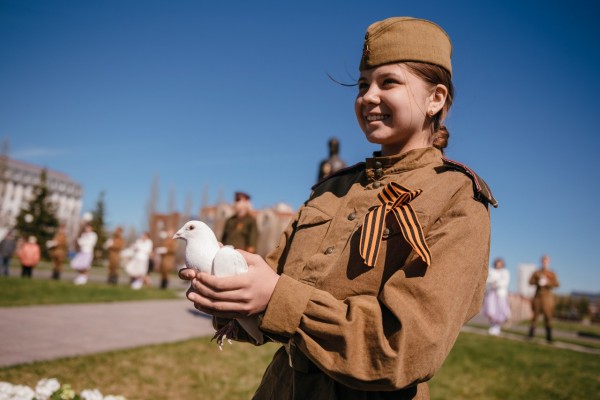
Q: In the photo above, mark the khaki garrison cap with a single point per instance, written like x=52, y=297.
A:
x=400, y=39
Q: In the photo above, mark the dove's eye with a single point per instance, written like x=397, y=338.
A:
x=192, y=227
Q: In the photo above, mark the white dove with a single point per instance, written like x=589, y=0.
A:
x=203, y=252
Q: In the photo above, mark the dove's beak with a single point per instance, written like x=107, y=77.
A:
x=177, y=235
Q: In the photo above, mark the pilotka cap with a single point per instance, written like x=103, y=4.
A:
x=399, y=39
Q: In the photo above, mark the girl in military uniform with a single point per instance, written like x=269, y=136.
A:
x=387, y=259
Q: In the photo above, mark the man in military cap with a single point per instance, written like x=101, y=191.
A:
x=240, y=229
x=544, y=281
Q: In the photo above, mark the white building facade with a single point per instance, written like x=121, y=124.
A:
x=17, y=182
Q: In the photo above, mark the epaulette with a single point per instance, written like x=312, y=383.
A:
x=338, y=173
x=482, y=190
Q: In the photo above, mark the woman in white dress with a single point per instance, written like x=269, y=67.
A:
x=82, y=261
x=137, y=267
x=495, y=305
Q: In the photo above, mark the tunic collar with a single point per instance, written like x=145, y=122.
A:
x=379, y=166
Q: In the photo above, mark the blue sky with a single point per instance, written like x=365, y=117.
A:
x=234, y=95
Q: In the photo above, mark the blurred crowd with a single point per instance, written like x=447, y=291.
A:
x=136, y=259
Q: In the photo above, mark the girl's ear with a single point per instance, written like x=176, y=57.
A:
x=437, y=99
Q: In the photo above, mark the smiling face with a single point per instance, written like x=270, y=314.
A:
x=393, y=107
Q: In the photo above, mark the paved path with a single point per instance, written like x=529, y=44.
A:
x=36, y=333
x=512, y=336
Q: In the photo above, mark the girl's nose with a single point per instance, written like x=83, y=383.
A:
x=372, y=95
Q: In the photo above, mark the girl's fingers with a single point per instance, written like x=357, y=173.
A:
x=187, y=274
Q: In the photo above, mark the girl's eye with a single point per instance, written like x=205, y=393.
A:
x=389, y=81
x=362, y=86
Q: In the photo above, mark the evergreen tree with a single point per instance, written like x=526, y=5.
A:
x=98, y=226
x=38, y=218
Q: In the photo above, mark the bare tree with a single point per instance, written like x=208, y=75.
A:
x=4, y=218
x=172, y=201
x=187, y=209
x=152, y=204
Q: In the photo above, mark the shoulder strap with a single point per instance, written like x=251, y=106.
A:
x=482, y=190
x=338, y=173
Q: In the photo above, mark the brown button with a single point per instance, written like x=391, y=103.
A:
x=378, y=172
x=329, y=250
x=376, y=184
x=377, y=164
x=351, y=216
x=386, y=231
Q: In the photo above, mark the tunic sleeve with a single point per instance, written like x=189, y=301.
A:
x=401, y=336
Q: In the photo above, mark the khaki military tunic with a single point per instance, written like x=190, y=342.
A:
x=543, y=300
x=167, y=260
x=114, y=254
x=58, y=253
x=357, y=332
x=241, y=232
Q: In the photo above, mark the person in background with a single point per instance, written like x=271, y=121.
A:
x=137, y=267
x=386, y=260
x=29, y=255
x=82, y=262
x=114, y=245
x=332, y=164
x=544, y=281
x=167, y=252
x=58, y=248
x=495, y=304
x=241, y=230
x=8, y=246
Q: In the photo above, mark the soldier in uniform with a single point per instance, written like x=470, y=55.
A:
x=59, y=248
x=386, y=260
x=543, y=301
x=167, y=253
x=332, y=164
x=241, y=230
x=114, y=245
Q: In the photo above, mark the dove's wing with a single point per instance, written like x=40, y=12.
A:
x=229, y=262
x=250, y=325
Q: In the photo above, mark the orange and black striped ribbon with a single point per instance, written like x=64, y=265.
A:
x=394, y=198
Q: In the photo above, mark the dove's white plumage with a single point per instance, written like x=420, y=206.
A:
x=203, y=252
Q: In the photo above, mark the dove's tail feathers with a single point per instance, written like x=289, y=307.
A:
x=250, y=325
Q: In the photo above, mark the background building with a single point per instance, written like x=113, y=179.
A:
x=17, y=181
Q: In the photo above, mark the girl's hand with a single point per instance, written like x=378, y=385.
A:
x=187, y=274
x=233, y=296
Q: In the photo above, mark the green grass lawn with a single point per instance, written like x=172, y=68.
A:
x=483, y=367
x=21, y=292
x=479, y=367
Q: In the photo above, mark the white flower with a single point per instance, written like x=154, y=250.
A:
x=22, y=392
x=5, y=390
x=91, y=394
x=45, y=388
x=67, y=392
